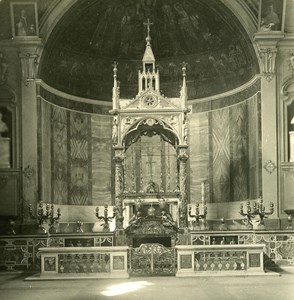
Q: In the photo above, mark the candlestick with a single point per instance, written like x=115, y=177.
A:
x=53, y=220
x=202, y=191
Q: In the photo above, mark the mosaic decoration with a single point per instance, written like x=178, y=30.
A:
x=15, y=255
x=23, y=254
x=219, y=53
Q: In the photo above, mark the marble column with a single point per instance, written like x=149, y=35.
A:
x=28, y=54
x=119, y=157
x=183, y=158
x=267, y=46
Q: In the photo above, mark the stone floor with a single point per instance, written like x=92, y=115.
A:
x=13, y=287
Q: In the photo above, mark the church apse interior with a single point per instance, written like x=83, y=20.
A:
x=146, y=138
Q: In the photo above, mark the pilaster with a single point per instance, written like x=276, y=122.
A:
x=28, y=55
x=267, y=47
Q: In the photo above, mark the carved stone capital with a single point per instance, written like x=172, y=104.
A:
x=29, y=58
x=268, y=62
x=119, y=156
x=182, y=153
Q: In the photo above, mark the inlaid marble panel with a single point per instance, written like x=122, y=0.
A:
x=46, y=149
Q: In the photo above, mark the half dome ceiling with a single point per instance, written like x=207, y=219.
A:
x=79, y=54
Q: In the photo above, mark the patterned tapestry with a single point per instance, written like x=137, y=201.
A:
x=76, y=157
x=224, y=151
x=221, y=156
x=59, y=155
x=199, y=154
x=79, y=161
x=101, y=159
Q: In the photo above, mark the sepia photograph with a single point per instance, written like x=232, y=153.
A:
x=147, y=149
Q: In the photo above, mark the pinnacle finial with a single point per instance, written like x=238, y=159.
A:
x=184, y=68
x=115, y=64
x=148, y=24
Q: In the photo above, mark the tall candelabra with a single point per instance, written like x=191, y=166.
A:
x=53, y=219
x=41, y=216
x=290, y=213
x=200, y=217
x=257, y=210
x=107, y=219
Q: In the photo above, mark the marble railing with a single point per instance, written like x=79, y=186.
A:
x=21, y=252
x=219, y=260
x=278, y=245
x=98, y=262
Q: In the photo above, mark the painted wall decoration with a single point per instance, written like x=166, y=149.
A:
x=219, y=53
x=224, y=150
x=76, y=151
x=24, y=19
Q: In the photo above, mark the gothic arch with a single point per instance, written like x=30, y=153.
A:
x=152, y=125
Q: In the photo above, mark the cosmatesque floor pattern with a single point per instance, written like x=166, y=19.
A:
x=13, y=287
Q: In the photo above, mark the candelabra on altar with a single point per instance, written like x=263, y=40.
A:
x=41, y=216
x=257, y=210
x=200, y=212
x=200, y=216
x=107, y=219
x=53, y=220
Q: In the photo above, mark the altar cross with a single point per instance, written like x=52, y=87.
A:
x=150, y=163
x=148, y=26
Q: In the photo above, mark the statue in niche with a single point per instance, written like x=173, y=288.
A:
x=114, y=131
x=3, y=68
x=3, y=126
x=4, y=141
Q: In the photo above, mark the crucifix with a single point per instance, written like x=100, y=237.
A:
x=150, y=161
x=148, y=26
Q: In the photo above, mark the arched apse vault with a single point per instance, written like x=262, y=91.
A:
x=90, y=35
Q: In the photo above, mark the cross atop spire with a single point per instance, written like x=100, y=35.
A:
x=148, y=24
